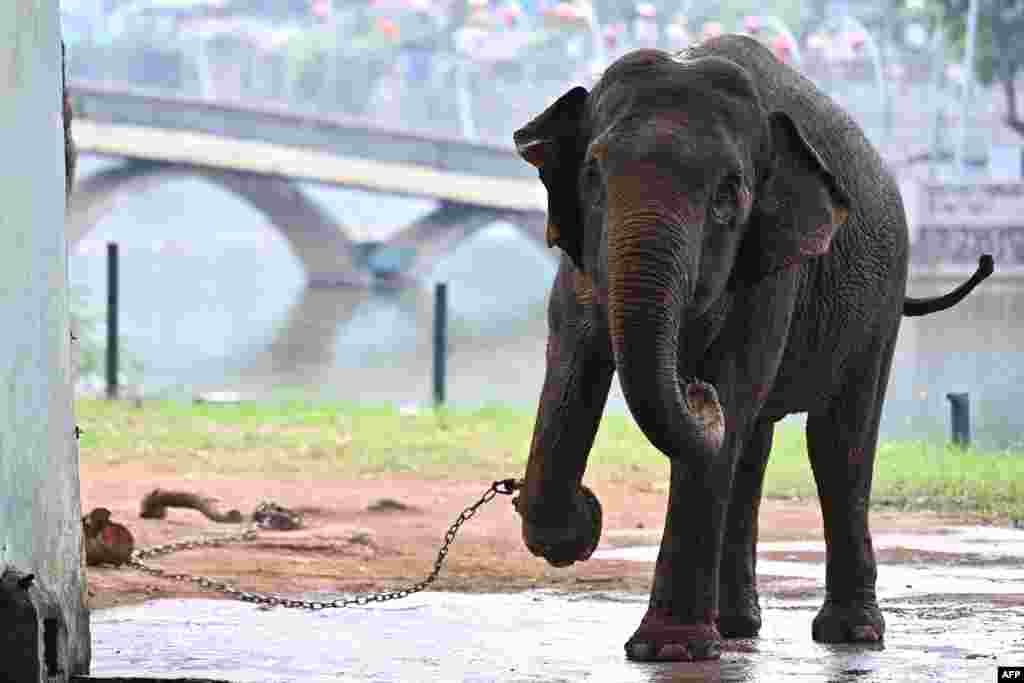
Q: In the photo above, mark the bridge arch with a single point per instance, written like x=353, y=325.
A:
x=320, y=244
x=327, y=254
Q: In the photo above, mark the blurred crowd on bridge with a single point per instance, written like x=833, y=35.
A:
x=480, y=68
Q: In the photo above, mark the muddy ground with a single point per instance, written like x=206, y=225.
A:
x=347, y=546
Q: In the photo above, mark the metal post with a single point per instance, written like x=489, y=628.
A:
x=960, y=413
x=112, y=304
x=965, y=97
x=597, y=38
x=876, y=58
x=464, y=100
x=935, y=101
x=440, y=340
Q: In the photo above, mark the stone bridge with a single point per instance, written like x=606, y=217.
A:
x=262, y=154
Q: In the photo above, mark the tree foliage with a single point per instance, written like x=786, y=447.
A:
x=999, y=48
x=999, y=43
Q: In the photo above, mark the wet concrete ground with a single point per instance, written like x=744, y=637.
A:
x=954, y=617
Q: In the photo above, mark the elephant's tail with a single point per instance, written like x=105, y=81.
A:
x=912, y=306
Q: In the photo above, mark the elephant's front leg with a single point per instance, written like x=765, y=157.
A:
x=561, y=520
x=681, y=623
x=683, y=619
x=739, y=611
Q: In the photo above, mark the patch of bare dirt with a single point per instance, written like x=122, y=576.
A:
x=345, y=546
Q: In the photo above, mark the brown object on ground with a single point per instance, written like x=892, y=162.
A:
x=487, y=556
x=106, y=542
x=388, y=505
x=156, y=502
x=270, y=515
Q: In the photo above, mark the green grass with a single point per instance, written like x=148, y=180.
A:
x=300, y=439
x=914, y=475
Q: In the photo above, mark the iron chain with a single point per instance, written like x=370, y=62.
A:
x=137, y=561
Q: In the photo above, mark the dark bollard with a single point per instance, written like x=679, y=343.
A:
x=440, y=340
x=112, y=388
x=31, y=654
x=960, y=412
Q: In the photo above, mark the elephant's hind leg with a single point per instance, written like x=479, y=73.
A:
x=738, y=607
x=842, y=442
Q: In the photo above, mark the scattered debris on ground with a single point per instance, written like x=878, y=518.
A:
x=401, y=547
x=388, y=505
x=156, y=502
x=361, y=537
x=270, y=515
x=105, y=542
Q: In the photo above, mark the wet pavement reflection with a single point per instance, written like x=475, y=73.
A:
x=962, y=560
x=536, y=636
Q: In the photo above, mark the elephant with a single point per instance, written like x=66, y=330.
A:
x=734, y=248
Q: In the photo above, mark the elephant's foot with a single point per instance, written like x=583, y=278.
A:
x=573, y=538
x=854, y=622
x=739, y=611
x=745, y=623
x=663, y=638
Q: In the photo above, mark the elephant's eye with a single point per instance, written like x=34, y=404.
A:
x=724, y=203
x=590, y=182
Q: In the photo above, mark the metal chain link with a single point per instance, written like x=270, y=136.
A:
x=504, y=487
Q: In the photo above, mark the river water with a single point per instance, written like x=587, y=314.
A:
x=213, y=299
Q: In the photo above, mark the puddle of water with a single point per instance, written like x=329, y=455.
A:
x=893, y=580
x=528, y=637
x=896, y=580
x=981, y=541
x=900, y=580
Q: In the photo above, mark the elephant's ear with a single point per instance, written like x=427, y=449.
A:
x=799, y=206
x=553, y=143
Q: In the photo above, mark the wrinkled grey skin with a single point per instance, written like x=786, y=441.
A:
x=735, y=250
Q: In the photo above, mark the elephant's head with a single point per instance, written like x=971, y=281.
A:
x=667, y=184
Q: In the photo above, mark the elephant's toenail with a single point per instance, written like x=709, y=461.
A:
x=708, y=649
x=640, y=651
x=865, y=634
x=675, y=652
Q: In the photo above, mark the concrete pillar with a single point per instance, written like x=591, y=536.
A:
x=40, y=510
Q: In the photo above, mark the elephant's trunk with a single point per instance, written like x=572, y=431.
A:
x=653, y=251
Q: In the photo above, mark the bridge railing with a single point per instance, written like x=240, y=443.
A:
x=462, y=93
x=482, y=92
